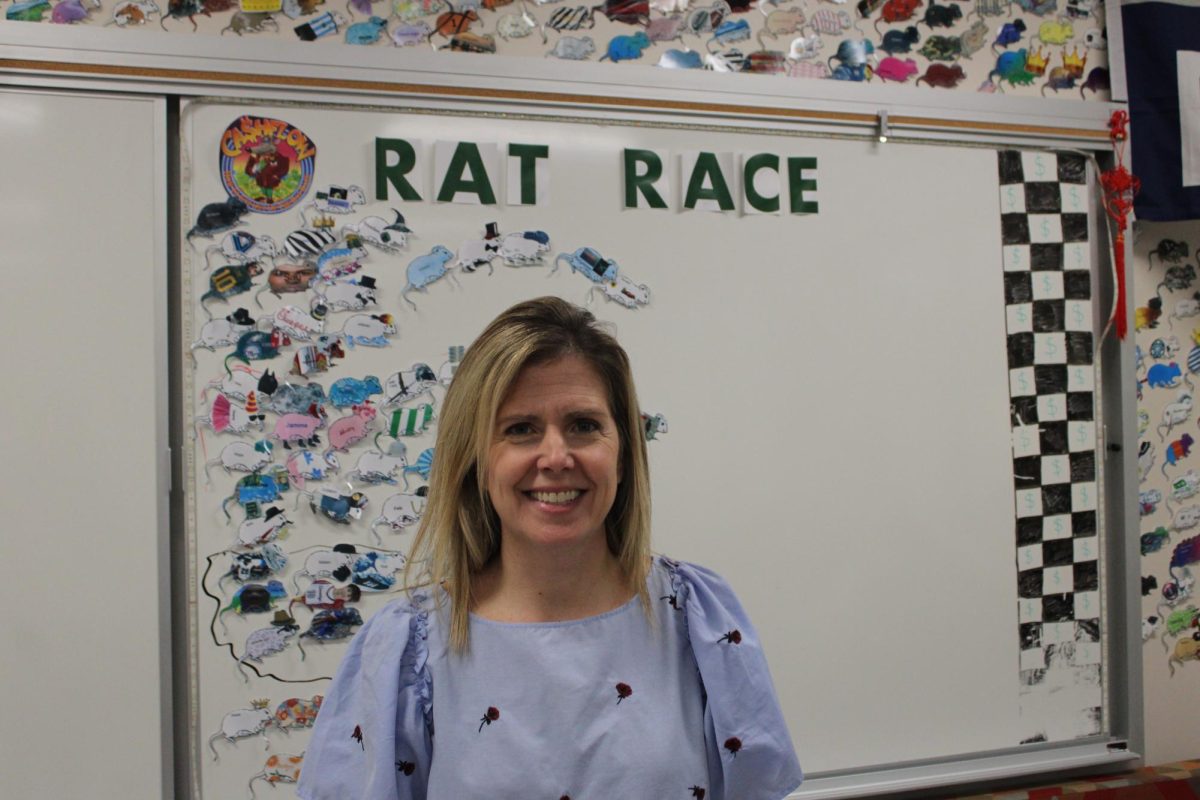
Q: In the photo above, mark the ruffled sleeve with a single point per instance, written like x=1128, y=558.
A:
x=750, y=753
x=373, y=736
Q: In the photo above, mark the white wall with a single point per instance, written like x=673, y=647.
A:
x=1172, y=702
x=82, y=221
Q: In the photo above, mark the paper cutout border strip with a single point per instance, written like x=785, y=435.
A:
x=1047, y=285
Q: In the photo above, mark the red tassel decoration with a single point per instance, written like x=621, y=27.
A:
x=1119, y=186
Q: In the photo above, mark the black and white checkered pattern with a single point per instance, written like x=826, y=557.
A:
x=1047, y=286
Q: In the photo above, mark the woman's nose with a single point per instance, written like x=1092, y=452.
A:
x=555, y=453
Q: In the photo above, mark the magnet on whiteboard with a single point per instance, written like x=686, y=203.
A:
x=314, y=29
x=1148, y=501
x=1177, y=277
x=371, y=330
x=623, y=291
x=317, y=357
x=1170, y=250
x=279, y=768
x=653, y=425
x=254, y=598
x=257, y=346
x=1151, y=543
x=450, y=365
x=590, y=264
x=424, y=270
x=1164, y=348
x=268, y=641
x=225, y=415
x=524, y=248
x=243, y=723
x=368, y=32
x=178, y=9
x=422, y=467
x=325, y=595
x=255, y=564
x=229, y=281
x=1147, y=316
x=333, y=623
x=223, y=332
x=349, y=295
x=242, y=247
x=378, y=232
x=256, y=489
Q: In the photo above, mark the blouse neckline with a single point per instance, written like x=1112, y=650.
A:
x=475, y=618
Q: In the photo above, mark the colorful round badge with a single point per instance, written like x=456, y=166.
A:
x=267, y=163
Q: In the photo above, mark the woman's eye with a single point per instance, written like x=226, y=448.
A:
x=519, y=429
x=587, y=425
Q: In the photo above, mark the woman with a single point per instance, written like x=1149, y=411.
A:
x=556, y=659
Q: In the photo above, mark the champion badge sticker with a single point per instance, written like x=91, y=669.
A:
x=267, y=163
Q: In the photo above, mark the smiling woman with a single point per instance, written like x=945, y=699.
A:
x=552, y=475
x=565, y=660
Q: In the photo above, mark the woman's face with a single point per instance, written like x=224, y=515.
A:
x=554, y=463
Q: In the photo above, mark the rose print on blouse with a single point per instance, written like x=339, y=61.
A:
x=489, y=716
x=733, y=744
x=698, y=792
x=624, y=690
x=406, y=767
x=672, y=600
x=733, y=637
x=358, y=737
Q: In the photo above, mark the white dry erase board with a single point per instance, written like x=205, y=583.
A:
x=835, y=384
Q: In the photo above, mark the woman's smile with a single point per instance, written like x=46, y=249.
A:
x=553, y=466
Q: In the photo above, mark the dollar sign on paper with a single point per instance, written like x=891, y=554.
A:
x=1078, y=312
x=1057, y=467
x=1052, y=407
x=1022, y=314
x=1024, y=440
x=1045, y=230
x=1051, y=347
x=1057, y=578
x=1058, y=528
x=1074, y=197
x=1012, y=197
x=1021, y=379
x=1039, y=167
x=1083, y=494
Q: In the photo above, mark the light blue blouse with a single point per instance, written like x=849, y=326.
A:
x=604, y=707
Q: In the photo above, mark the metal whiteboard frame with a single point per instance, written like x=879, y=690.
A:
x=279, y=70
x=172, y=65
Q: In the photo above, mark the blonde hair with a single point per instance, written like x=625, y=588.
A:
x=460, y=531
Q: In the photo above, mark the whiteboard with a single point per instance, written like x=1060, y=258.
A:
x=87, y=659
x=836, y=388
